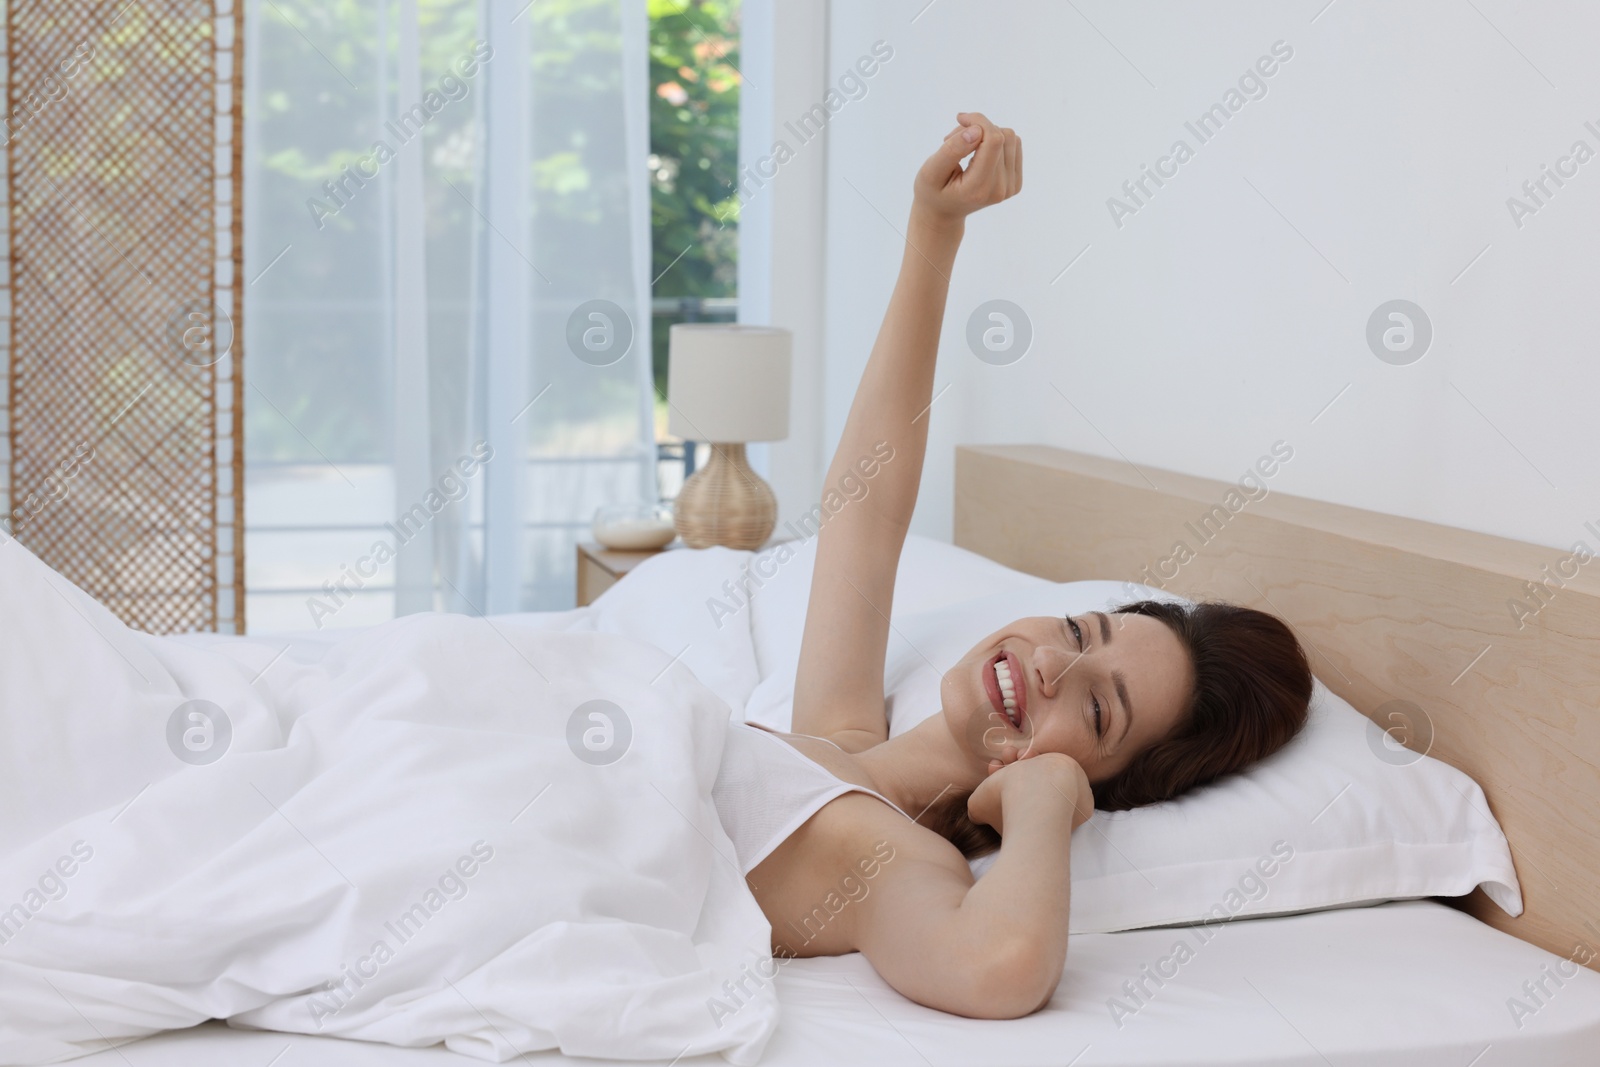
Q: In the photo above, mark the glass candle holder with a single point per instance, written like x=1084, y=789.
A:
x=635, y=527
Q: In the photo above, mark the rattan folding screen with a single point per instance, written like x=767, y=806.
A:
x=125, y=302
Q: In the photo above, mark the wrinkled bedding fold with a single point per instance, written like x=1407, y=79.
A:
x=417, y=833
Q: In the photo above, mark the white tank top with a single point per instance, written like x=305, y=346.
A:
x=766, y=788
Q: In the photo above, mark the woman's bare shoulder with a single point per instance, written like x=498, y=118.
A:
x=903, y=879
x=855, y=826
x=824, y=881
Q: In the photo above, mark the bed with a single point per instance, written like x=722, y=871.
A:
x=1393, y=610
x=1404, y=984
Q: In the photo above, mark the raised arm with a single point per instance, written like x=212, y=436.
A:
x=839, y=685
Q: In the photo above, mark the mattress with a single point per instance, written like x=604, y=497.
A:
x=1413, y=983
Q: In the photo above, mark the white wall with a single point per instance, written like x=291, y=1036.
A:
x=1231, y=309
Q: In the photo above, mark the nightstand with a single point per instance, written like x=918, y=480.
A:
x=599, y=568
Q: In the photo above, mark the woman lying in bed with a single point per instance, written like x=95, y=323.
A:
x=1041, y=721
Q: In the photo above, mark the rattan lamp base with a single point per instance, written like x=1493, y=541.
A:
x=726, y=503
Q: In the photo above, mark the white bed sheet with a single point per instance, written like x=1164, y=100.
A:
x=1413, y=983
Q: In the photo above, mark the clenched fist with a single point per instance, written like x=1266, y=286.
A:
x=1049, y=778
x=947, y=192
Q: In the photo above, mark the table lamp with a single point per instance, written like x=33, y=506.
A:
x=727, y=384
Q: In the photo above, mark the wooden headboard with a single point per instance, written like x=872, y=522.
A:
x=1389, y=609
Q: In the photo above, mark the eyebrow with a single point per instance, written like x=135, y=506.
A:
x=1117, y=679
x=1105, y=627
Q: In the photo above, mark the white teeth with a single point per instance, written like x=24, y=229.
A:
x=1008, y=691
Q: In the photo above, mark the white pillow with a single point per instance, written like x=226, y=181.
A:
x=670, y=601
x=1339, y=816
x=931, y=575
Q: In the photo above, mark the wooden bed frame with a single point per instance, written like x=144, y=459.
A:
x=1389, y=609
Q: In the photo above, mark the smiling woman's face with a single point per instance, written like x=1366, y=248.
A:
x=1099, y=688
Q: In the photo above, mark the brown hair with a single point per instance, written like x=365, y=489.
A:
x=1252, y=692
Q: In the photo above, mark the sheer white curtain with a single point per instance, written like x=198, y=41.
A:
x=447, y=252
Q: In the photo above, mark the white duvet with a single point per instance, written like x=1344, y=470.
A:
x=412, y=834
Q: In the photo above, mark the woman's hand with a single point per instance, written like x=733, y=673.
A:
x=1047, y=778
x=946, y=193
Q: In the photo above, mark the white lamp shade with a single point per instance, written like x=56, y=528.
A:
x=727, y=382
